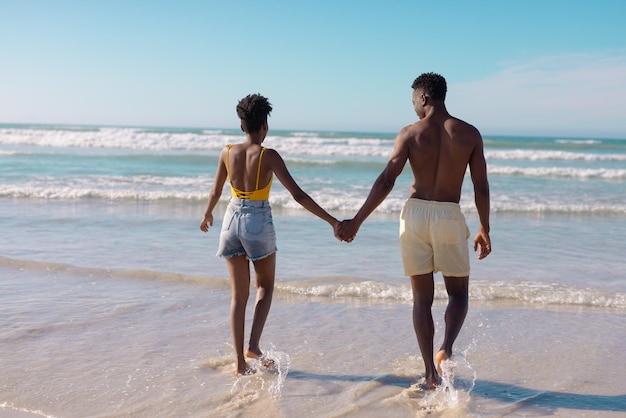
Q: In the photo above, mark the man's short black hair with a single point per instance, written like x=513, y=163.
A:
x=253, y=111
x=433, y=84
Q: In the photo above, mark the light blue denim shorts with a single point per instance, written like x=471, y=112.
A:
x=247, y=229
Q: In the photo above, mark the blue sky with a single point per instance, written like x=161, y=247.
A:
x=551, y=67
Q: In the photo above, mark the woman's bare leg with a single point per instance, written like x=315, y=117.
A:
x=265, y=269
x=239, y=270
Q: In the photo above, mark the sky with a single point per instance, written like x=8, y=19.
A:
x=532, y=67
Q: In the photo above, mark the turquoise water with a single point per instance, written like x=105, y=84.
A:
x=528, y=175
x=558, y=204
x=100, y=237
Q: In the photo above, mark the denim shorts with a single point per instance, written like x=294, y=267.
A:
x=247, y=229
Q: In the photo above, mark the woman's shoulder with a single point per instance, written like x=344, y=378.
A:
x=270, y=153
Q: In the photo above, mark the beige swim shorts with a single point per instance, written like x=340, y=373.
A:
x=433, y=237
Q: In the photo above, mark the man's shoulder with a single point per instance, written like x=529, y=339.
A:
x=459, y=123
x=413, y=130
x=459, y=128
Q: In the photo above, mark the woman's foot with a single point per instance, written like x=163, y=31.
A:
x=426, y=384
x=258, y=355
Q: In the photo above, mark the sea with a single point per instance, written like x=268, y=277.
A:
x=113, y=303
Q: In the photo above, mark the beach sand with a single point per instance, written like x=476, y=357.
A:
x=78, y=344
x=7, y=412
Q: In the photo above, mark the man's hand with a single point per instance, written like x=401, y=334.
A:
x=348, y=230
x=482, y=239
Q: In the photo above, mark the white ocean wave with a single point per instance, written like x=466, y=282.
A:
x=579, y=141
x=526, y=292
x=546, y=155
x=560, y=172
x=151, y=188
x=530, y=293
x=125, y=138
x=293, y=143
x=208, y=140
x=10, y=153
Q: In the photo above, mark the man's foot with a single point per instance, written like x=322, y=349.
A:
x=244, y=371
x=439, y=357
x=265, y=361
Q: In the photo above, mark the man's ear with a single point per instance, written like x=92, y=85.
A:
x=241, y=126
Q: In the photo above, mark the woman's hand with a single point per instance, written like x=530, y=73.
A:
x=206, y=222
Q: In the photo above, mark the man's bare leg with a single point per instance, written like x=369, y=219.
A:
x=457, y=288
x=265, y=271
x=423, y=287
x=239, y=270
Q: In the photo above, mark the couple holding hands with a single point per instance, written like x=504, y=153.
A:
x=433, y=231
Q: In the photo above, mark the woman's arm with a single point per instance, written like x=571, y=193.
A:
x=215, y=193
x=277, y=165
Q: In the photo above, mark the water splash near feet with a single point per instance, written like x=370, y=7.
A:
x=271, y=370
x=457, y=381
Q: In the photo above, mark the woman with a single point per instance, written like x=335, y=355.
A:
x=247, y=229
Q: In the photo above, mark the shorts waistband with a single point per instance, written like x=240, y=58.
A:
x=431, y=203
x=246, y=203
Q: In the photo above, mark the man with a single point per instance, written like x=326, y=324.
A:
x=433, y=232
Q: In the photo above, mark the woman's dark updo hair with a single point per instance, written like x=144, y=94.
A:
x=253, y=111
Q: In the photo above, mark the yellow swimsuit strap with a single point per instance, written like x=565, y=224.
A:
x=258, y=173
x=253, y=195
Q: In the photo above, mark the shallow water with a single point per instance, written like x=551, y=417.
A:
x=82, y=342
x=113, y=303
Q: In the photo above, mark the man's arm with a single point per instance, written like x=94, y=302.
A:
x=478, y=171
x=381, y=187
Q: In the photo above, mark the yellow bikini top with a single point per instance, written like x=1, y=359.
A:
x=257, y=194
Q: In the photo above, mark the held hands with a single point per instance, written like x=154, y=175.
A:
x=346, y=230
x=206, y=222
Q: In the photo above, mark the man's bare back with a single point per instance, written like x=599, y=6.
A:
x=439, y=150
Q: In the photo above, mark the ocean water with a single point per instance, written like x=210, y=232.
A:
x=113, y=304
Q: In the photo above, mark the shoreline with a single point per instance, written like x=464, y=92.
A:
x=135, y=347
x=10, y=412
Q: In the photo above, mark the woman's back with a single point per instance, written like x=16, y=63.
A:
x=247, y=171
